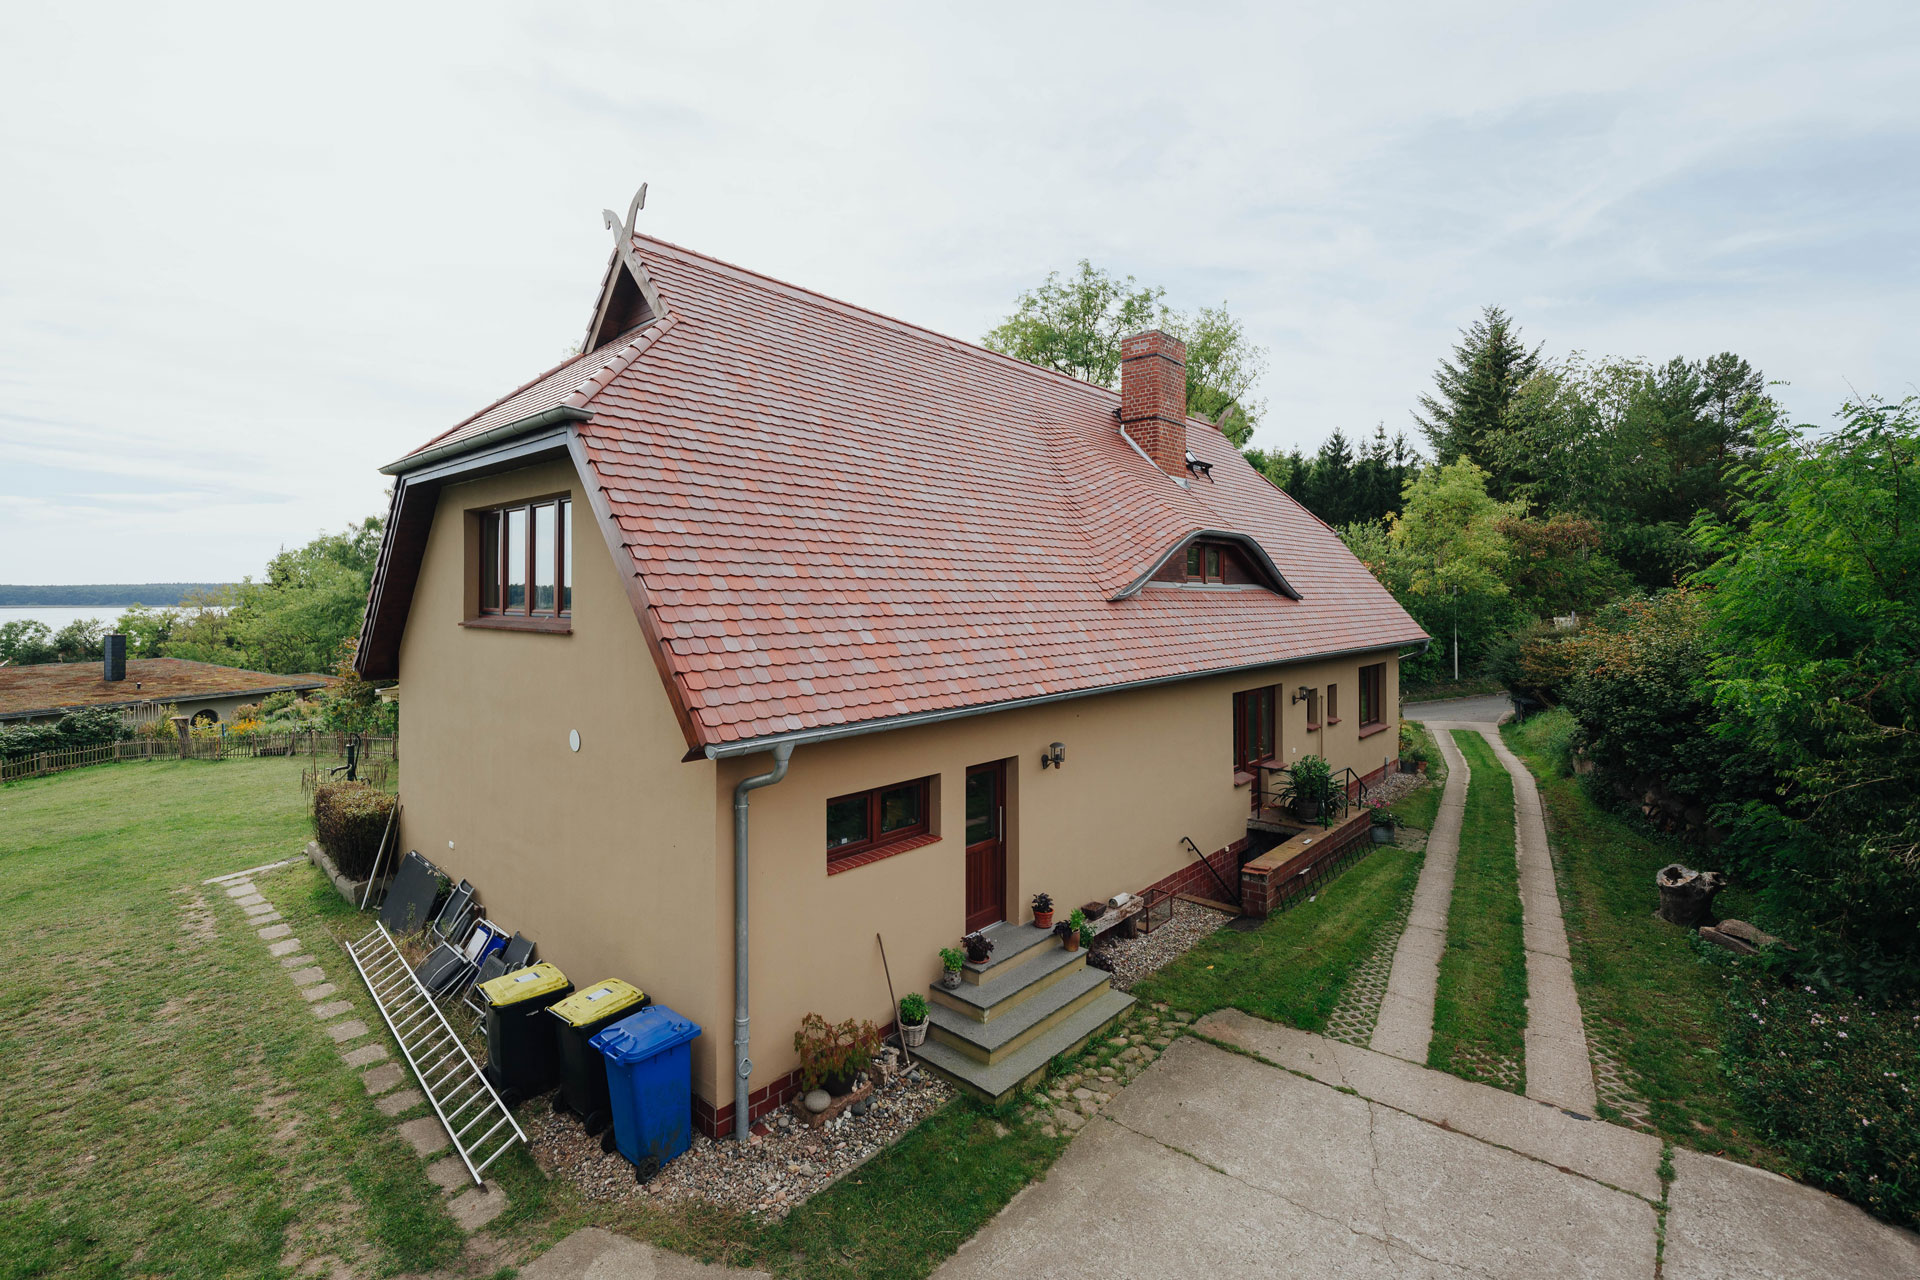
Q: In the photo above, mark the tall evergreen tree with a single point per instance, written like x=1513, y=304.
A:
x=1490, y=363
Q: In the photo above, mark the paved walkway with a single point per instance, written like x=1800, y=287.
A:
x=1312, y=1158
x=1489, y=708
x=1559, y=1069
x=1405, y=1025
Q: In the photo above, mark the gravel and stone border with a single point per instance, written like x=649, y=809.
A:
x=783, y=1164
x=1132, y=959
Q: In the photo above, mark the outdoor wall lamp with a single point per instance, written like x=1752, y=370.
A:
x=1055, y=756
x=1300, y=694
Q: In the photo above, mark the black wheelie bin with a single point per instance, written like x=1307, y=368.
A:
x=583, y=1071
x=523, y=1051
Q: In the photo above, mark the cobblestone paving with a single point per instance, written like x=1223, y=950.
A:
x=1353, y=1017
x=1613, y=1080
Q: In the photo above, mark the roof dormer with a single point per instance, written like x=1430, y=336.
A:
x=1214, y=558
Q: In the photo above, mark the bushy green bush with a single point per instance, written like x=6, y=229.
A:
x=275, y=703
x=1836, y=1082
x=84, y=728
x=348, y=819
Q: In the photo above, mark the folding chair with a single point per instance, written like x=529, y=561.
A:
x=444, y=964
x=516, y=954
x=483, y=940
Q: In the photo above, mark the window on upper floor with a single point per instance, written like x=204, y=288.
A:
x=1373, y=694
x=526, y=560
x=1333, y=704
x=1252, y=728
x=1206, y=562
x=1313, y=710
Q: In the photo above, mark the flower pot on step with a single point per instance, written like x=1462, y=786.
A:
x=915, y=1036
x=1043, y=919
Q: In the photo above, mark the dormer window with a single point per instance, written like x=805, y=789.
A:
x=1206, y=562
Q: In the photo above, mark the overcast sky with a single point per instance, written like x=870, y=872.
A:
x=249, y=255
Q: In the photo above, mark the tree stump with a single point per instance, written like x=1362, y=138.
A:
x=1686, y=896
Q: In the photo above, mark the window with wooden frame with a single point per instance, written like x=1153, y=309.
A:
x=1373, y=694
x=1333, y=704
x=867, y=821
x=1313, y=710
x=1253, y=741
x=1206, y=562
x=526, y=562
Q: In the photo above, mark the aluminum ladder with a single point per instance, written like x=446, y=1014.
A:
x=469, y=1108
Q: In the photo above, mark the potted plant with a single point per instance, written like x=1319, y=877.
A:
x=1068, y=935
x=1087, y=935
x=951, y=958
x=979, y=947
x=832, y=1057
x=1310, y=781
x=1383, y=821
x=1043, y=911
x=913, y=1019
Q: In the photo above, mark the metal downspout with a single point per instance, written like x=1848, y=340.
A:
x=742, y=1064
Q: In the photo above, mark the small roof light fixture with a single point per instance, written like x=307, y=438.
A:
x=1199, y=468
x=1300, y=694
x=1055, y=756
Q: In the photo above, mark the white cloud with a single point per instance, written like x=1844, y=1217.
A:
x=250, y=254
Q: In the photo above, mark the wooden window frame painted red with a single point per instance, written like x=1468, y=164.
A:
x=876, y=841
x=1373, y=699
x=1245, y=761
x=1213, y=562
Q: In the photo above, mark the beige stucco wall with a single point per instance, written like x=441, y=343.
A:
x=617, y=860
x=604, y=857
x=1143, y=769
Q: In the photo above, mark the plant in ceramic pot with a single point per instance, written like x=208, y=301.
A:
x=951, y=958
x=1043, y=911
x=979, y=947
x=913, y=1019
x=1383, y=821
x=1068, y=935
x=1310, y=785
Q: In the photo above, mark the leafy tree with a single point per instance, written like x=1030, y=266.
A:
x=1075, y=325
x=147, y=630
x=1476, y=388
x=26, y=642
x=1555, y=566
x=1444, y=557
x=1813, y=602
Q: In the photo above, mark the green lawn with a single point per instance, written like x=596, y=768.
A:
x=1480, y=1008
x=168, y=1107
x=1293, y=968
x=1654, y=997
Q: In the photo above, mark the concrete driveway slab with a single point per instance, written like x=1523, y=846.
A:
x=1605, y=1153
x=594, y=1254
x=1404, y=1026
x=1732, y=1222
x=1489, y=708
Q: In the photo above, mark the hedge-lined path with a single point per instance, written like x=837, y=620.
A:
x=1559, y=1068
x=1404, y=1027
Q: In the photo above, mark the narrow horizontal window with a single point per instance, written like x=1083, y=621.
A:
x=867, y=820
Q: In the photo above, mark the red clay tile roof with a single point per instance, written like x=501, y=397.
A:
x=54, y=686
x=838, y=517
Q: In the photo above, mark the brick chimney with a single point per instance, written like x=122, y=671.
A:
x=1153, y=397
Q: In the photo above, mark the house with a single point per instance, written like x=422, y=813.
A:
x=767, y=589
x=202, y=690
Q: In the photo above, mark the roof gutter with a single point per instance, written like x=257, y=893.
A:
x=560, y=413
x=803, y=737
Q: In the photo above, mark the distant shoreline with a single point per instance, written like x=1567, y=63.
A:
x=103, y=595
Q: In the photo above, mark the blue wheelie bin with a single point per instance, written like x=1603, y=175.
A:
x=650, y=1083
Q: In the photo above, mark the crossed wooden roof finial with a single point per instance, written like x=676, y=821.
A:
x=623, y=245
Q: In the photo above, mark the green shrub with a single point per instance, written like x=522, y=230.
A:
x=274, y=703
x=348, y=819
x=829, y=1052
x=1836, y=1082
x=84, y=728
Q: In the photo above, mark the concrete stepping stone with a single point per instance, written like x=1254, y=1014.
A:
x=250, y=900
x=273, y=931
x=241, y=890
x=320, y=992
x=381, y=1079
x=477, y=1206
x=427, y=1135
x=268, y=918
x=331, y=1009
x=405, y=1100
x=257, y=908
x=366, y=1055
x=307, y=977
x=297, y=962
x=449, y=1174
x=351, y=1029
x=284, y=946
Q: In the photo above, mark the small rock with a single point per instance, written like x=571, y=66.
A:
x=1000, y=1130
x=818, y=1100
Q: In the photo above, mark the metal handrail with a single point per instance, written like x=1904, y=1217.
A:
x=1233, y=895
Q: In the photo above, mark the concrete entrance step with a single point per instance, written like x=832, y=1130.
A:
x=993, y=1040
x=1028, y=1065
x=1001, y=993
x=1013, y=946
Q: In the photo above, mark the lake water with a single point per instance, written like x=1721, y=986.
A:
x=57, y=616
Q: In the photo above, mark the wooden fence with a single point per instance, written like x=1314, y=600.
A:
x=378, y=752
